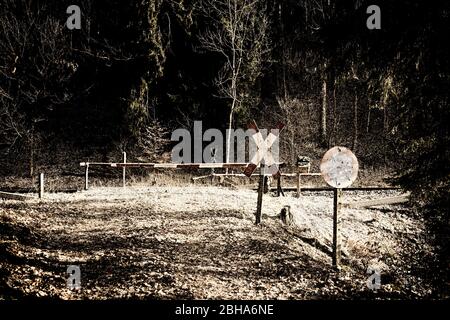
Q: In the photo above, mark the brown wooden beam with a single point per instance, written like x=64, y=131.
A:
x=15, y=196
x=182, y=165
x=378, y=202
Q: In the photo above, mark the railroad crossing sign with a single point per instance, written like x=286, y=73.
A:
x=339, y=167
x=263, y=155
x=263, y=158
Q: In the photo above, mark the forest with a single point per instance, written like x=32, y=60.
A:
x=137, y=70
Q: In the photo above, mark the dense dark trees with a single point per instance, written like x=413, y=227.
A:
x=313, y=64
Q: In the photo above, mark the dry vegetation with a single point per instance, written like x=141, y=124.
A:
x=201, y=242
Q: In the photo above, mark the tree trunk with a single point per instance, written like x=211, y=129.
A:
x=292, y=143
x=355, y=123
x=230, y=124
x=283, y=51
x=306, y=12
x=323, y=113
x=230, y=121
x=385, y=120
x=32, y=157
x=32, y=153
x=233, y=83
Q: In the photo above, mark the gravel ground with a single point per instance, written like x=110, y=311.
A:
x=201, y=242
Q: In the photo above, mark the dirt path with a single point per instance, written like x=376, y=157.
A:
x=201, y=242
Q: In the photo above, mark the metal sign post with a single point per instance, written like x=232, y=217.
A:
x=336, y=236
x=260, y=194
x=339, y=168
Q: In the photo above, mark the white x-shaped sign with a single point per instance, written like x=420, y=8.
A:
x=264, y=150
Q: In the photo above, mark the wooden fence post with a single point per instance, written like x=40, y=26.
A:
x=86, y=177
x=124, y=170
x=278, y=186
x=41, y=186
x=299, y=176
x=336, y=237
x=260, y=195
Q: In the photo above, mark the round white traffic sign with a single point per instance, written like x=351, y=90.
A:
x=339, y=167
